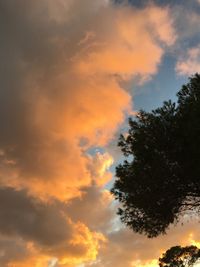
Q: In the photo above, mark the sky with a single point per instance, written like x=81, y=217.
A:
x=71, y=73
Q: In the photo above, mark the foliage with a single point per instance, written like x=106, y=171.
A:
x=160, y=177
x=180, y=257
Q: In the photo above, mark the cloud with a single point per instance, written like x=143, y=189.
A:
x=44, y=229
x=189, y=63
x=12, y=249
x=60, y=83
x=125, y=248
x=94, y=208
x=62, y=71
x=24, y=216
x=99, y=166
x=132, y=39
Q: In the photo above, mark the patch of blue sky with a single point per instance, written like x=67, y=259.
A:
x=142, y=3
x=162, y=87
x=94, y=150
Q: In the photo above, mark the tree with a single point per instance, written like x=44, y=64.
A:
x=160, y=176
x=180, y=257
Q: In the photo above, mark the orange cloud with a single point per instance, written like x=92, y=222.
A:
x=82, y=248
x=69, y=95
x=126, y=248
x=64, y=66
x=99, y=166
x=125, y=48
x=35, y=232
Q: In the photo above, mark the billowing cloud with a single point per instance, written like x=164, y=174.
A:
x=63, y=67
x=97, y=217
x=42, y=229
x=190, y=62
x=60, y=79
x=125, y=248
x=99, y=166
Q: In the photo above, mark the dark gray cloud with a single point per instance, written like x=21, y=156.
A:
x=33, y=229
x=31, y=219
x=12, y=250
x=93, y=209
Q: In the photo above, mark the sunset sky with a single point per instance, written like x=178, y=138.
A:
x=71, y=73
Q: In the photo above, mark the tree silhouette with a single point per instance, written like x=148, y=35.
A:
x=180, y=257
x=160, y=177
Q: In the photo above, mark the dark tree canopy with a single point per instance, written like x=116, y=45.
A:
x=160, y=177
x=180, y=257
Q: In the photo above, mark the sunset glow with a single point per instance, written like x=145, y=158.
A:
x=72, y=72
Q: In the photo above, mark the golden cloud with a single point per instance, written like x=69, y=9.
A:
x=64, y=64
